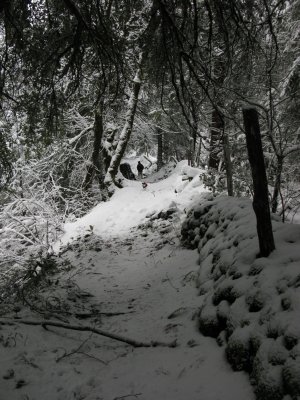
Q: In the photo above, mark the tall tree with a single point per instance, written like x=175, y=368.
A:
x=260, y=183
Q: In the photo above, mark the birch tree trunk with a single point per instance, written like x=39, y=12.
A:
x=260, y=184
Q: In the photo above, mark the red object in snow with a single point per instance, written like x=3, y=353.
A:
x=144, y=184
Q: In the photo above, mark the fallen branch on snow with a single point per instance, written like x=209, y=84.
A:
x=132, y=342
x=128, y=395
x=85, y=315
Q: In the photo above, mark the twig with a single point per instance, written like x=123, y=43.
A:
x=93, y=357
x=77, y=351
x=128, y=395
x=132, y=342
x=74, y=351
x=171, y=284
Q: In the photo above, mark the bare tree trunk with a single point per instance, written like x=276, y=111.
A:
x=95, y=166
x=277, y=185
x=198, y=154
x=159, y=150
x=194, y=132
x=260, y=184
x=217, y=127
x=110, y=178
x=228, y=164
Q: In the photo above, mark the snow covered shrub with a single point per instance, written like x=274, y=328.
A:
x=192, y=229
x=223, y=312
x=224, y=292
x=251, y=305
x=28, y=227
x=267, y=371
x=42, y=194
x=291, y=377
x=214, y=181
x=291, y=336
x=255, y=300
x=269, y=385
x=238, y=349
x=209, y=323
x=278, y=354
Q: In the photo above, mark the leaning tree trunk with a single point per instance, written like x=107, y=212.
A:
x=260, y=184
x=95, y=164
x=110, y=178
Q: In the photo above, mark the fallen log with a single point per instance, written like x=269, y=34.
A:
x=120, y=338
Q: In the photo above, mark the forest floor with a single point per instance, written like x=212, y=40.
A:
x=120, y=269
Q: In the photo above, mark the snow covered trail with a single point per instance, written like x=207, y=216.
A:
x=154, y=294
x=129, y=206
x=138, y=283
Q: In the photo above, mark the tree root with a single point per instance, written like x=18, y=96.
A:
x=131, y=342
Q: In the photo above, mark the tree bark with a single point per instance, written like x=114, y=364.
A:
x=228, y=164
x=277, y=185
x=159, y=150
x=95, y=166
x=110, y=178
x=194, y=132
x=217, y=127
x=198, y=153
x=260, y=184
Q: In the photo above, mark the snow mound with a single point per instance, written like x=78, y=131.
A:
x=251, y=305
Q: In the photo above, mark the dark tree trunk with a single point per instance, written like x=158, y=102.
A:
x=217, y=127
x=95, y=165
x=277, y=185
x=159, y=150
x=260, y=184
x=228, y=164
x=194, y=132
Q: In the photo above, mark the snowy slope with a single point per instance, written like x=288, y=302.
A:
x=250, y=304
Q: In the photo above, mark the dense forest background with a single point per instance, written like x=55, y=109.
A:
x=83, y=82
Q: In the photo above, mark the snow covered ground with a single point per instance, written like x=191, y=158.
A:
x=122, y=270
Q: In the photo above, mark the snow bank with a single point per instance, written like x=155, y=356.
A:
x=251, y=305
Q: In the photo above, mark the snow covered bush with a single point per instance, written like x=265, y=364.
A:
x=43, y=193
x=250, y=304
